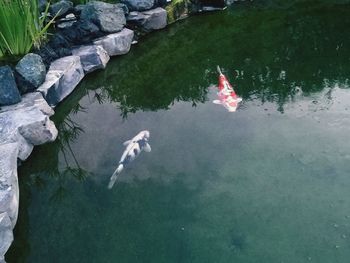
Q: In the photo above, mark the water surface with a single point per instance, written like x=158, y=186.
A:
x=269, y=183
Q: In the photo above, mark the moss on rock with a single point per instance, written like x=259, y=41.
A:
x=177, y=9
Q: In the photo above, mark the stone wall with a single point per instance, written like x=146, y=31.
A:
x=85, y=39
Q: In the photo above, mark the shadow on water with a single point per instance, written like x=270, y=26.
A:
x=269, y=55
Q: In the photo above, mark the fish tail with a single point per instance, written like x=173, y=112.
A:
x=115, y=175
x=218, y=69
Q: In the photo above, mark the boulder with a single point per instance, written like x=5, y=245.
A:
x=27, y=123
x=124, y=7
x=9, y=93
x=160, y=3
x=9, y=193
x=63, y=76
x=117, y=43
x=81, y=32
x=139, y=5
x=109, y=18
x=42, y=5
x=153, y=19
x=213, y=3
x=136, y=17
x=6, y=235
x=92, y=57
x=67, y=21
x=61, y=8
x=33, y=71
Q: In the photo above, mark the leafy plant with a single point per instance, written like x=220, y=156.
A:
x=21, y=26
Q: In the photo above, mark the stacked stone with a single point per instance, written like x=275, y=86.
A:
x=24, y=120
x=86, y=37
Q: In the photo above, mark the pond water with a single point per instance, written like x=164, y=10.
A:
x=268, y=183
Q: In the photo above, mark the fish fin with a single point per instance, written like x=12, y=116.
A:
x=147, y=148
x=217, y=102
x=218, y=69
x=126, y=143
x=115, y=176
x=231, y=109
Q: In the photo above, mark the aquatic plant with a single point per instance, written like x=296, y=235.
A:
x=21, y=26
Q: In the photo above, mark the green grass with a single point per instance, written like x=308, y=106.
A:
x=21, y=28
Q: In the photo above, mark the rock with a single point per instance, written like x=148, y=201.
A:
x=160, y=3
x=27, y=123
x=63, y=76
x=65, y=24
x=155, y=19
x=9, y=193
x=42, y=5
x=61, y=8
x=230, y=2
x=136, y=17
x=138, y=5
x=149, y=20
x=212, y=3
x=9, y=93
x=32, y=69
x=92, y=57
x=6, y=235
x=118, y=43
x=109, y=18
x=79, y=8
x=124, y=7
x=48, y=54
x=180, y=9
x=81, y=32
x=67, y=21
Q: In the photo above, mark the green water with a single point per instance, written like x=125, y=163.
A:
x=268, y=183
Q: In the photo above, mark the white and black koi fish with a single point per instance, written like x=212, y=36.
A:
x=133, y=148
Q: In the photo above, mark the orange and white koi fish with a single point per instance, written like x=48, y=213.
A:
x=227, y=96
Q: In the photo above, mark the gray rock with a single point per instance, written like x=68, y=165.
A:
x=136, y=17
x=109, y=18
x=138, y=5
x=42, y=5
x=61, y=8
x=67, y=21
x=31, y=67
x=63, y=76
x=79, y=8
x=92, y=57
x=156, y=19
x=161, y=3
x=153, y=19
x=65, y=24
x=118, y=43
x=27, y=124
x=124, y=7
x=9, y=193
x=9, y=93
x=6, y=235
